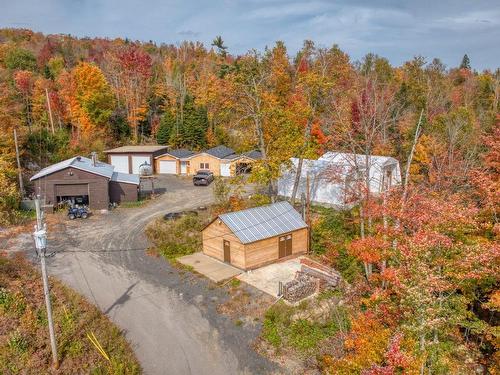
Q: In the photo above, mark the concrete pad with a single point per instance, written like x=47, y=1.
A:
x=210, y=267
x=267, y=278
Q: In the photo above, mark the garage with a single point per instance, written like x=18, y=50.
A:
x=167, y=166
x=137, y=161
x=80, y=180
x=74, y=193
x=120, y=162
x=128, y=159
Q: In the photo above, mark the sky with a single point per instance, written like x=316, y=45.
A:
x=397, y=30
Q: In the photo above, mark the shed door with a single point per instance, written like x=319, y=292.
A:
x=225, y=169
x=120, y=162
x=137, y=161
x=227, y=251
x=285, y=246
x=168, y=166
x=288, y=244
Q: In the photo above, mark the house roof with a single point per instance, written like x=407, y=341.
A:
x=181, y=153
x=254, y=154
x=222, y=152
x=139, y=148
x=78, y=162
x=126, y=178
x=259, y=223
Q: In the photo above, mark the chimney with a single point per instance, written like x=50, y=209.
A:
x=94, y=158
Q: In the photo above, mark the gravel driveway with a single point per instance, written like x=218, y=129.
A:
x=169, y=316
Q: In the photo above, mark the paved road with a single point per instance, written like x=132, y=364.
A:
x=169, y=317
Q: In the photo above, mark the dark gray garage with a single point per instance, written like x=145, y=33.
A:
x=85, y=181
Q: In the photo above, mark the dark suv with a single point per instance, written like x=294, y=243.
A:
x=203, y=177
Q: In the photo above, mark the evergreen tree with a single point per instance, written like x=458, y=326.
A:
x=192, y=132
x=167, y=123
x=465, y=63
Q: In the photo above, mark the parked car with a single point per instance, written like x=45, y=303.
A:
x=203, y=177
x=78, y=212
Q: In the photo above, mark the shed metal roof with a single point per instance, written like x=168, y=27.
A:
x=139, y=148
x=259, y=223
x=78, y=162
x=126, y=178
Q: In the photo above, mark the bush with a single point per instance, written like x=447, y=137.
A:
x=176, y=238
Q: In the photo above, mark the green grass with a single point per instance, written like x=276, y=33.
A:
x=301, y=335
x=134, y=204
x=175, y=238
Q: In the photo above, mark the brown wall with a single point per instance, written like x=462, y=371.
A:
x=97, y=186
x=252, y=255
x=266, y=251
x=214, y=235
x=122, y=192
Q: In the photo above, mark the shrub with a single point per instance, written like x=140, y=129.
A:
x=176, y=238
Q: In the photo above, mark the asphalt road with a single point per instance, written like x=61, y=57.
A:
x=168, y=316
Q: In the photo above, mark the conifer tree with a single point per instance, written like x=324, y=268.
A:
x=465, y=62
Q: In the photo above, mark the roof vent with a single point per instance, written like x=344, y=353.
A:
x=78, y=158
x=94, y=158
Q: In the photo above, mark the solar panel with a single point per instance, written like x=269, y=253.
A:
x=259, y=223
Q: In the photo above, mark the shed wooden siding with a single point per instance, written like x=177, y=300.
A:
x=97, y=186
x=252, y=255
x=168, y=157
x=213, y=243
x=122, y=192
x=266, y=251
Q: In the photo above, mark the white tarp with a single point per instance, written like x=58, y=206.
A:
x=329, y=176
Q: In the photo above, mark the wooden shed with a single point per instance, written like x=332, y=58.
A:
x=128, y=159
x=257, y=236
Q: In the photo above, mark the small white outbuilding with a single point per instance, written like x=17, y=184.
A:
x=334, y=175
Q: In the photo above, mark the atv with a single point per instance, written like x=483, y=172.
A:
x=78, y=212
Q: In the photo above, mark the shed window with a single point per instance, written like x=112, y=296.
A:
x=204, y=166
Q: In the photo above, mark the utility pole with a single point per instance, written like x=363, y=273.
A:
x=41, y=245
x=308, y=212
x=21, y=185
x=50, y=110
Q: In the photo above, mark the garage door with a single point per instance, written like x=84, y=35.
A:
x=72, y=190
x=168, y=166
x=225, y=169
x=120, y=162
x=137, y=161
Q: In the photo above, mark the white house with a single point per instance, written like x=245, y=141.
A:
x=332, y=177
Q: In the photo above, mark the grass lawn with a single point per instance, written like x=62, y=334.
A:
x=24, y=341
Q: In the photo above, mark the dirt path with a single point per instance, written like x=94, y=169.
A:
x=169, y=316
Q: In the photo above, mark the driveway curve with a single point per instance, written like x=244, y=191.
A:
x=168, y=316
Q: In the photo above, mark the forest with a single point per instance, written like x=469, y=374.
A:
x=425, y=297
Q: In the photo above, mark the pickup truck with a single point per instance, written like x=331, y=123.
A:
x=203, y=177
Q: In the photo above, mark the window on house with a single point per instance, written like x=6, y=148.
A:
x=204, y=166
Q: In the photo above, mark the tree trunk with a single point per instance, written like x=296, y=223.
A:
x=297, y=180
